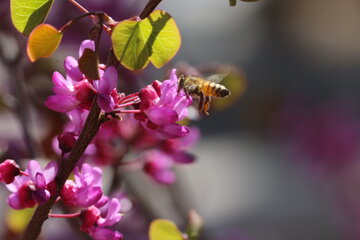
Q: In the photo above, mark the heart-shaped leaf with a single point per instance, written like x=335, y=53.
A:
x=27, y=14
x=43, y=42
x=162, y=229
x=154, y=39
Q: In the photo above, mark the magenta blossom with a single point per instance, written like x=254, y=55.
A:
x=76, y=91
x=86, y=190
x=158, y=163
x=37, y=187
x=94, y=222
x=162, y=105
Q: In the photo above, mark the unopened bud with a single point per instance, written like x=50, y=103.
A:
x=195, y=225
x=232, y=2
x=8, y=171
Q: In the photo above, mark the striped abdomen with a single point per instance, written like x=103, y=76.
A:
x=213, y=89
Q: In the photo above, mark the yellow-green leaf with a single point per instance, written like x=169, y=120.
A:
x=17, y=220
x=154, y=39
x=27, y=14
x=162, y=229
x=43, y=42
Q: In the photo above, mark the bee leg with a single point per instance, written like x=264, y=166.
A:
x=206, y=105
x=201, y=102
x=181, y=82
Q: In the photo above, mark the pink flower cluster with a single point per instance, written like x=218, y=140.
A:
x=162, y=105
x=145, y=122
x=75, y=91
x=86, y=192
x=36, y=185
x=31, y=187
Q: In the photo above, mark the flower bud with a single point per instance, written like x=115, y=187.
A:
x=8, y=171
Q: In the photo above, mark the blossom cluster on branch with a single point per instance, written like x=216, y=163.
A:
x=145, y=122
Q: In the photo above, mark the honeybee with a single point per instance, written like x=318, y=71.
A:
x=204, y=89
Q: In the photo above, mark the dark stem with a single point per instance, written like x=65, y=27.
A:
x=150, y=6
x=100, y=23
x=91, y=127
x=73, y=21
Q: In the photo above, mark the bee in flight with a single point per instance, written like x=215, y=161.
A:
x=204, y=89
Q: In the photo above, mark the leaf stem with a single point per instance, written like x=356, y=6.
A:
x=79, y=6
x=91, y=127
x=150, y=6
x=84, y=10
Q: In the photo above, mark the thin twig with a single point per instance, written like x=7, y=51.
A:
x=150, y=6
x=84, y=10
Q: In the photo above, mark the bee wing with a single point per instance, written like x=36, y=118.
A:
x=216, y=78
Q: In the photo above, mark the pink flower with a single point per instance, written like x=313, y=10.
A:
x=94, y=223
x=162, y=106
x=86, y=190
x=76, y=91
x=37, y=187
x=159, y=162
x=158, y=165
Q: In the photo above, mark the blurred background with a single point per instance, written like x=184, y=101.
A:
x=277, y=160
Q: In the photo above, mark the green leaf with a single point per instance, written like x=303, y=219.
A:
x=154, y=39
x=27, y=14
x=43, y=42
x=162, y=229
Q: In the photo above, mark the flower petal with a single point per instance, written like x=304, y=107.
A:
x=61, y=85
x=162, y=115
x=102, y=201
x=98, y=233
x=106, y=102
x=113, y=214
x=39, y=180
x=89, y=196
x=14, y=202
x=168, y=92
x=86, y=44
x=72, y=69
x=41, y=196
x=61, y=103
x=173, y=77
x=50, y=171
x=183, y=157
x=174, y=131
x=77, y=118
x=164, y=177
x=32, y=169
x=17, y=183
x=181, y=106
x=108, y=82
